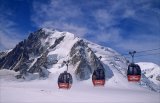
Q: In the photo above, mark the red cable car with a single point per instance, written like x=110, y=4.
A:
x=134, y=70
x=134, y=73
x=98, y=77
x=65, y=80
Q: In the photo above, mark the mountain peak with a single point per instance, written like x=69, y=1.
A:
x=56, y=33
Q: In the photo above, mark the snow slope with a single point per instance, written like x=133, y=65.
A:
x=46, y=91
x=151, y=71
x=116, y=73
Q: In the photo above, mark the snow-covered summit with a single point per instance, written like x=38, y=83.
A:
x=54, y=33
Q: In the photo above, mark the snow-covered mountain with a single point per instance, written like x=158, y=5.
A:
x=45, y=51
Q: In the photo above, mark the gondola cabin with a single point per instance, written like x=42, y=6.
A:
x=98, y=77
x=65, y=80
x=134, y=73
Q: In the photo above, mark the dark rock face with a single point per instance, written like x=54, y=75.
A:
x=86, y=60
x=40, y=63
x=158, y=78
x=83, y=70
x=57, y=41
x=2, y=54
x=27, y=51
x=23, y=51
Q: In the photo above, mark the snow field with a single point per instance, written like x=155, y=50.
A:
x=46, y=91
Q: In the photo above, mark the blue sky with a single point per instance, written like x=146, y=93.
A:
x=123, y=25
